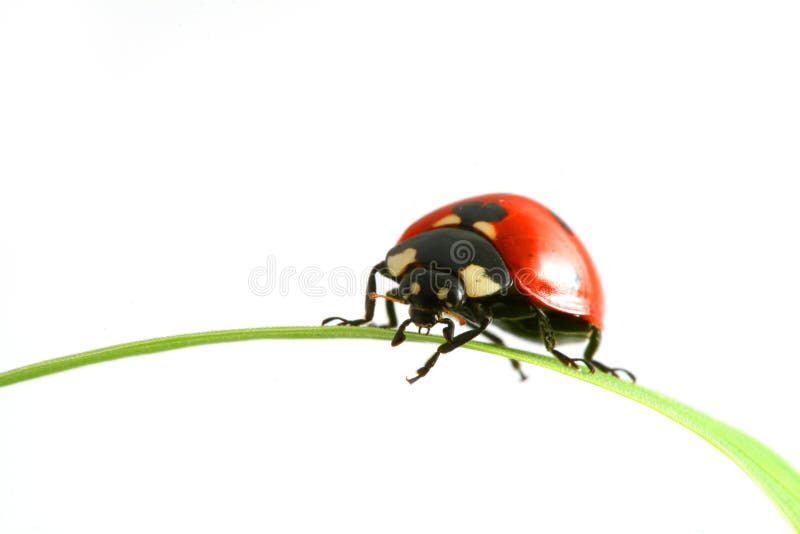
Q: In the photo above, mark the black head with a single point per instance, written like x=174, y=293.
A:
x=430, y=293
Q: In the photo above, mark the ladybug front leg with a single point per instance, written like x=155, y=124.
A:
x=549, y=338
x=450, y=345
x=400, y=335
x=591, y=349
x=369, y=304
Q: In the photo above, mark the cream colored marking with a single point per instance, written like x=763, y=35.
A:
x=415, y=288
x=447, y=220
x=442, y=293
x=398, y=263
x=477, y=283
x=486, y=228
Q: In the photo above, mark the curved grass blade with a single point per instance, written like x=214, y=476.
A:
x=775, y=476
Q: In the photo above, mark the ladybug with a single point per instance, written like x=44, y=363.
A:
x=496, y=259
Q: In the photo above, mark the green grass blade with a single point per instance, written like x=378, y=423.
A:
x=775, y=476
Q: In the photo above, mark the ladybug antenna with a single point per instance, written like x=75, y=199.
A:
x=455, y=316
x=374, y=296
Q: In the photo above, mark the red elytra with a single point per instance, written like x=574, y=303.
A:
x=547, y=261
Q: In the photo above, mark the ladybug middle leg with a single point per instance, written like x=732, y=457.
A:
x=591, y=349
x=549, y=338
x=450, y=345
x=369, y=304
x=497, y=340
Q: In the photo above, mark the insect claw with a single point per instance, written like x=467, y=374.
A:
x=617, y=372
x=574, y=364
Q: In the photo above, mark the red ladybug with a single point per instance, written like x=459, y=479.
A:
x=497, y=259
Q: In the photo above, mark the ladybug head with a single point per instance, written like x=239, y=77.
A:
x=429, y=293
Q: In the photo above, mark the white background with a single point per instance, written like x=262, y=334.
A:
x=152, y=154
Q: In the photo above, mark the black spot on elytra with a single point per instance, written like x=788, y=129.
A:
x=564, y=225
x=472, y=212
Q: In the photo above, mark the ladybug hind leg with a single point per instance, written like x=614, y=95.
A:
x=497, y=340
x=591, y=349
x=549, y=338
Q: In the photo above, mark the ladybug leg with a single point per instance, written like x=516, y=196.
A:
x=369, y=305
x=514, y=363
x=518, y=368
x=390, y=312
x=449, y=329
x=494, y=338
x=465, y=337
x=422, y=371
x=549, y=338
x=400, y=335
x=591, y=349
x=450, y=345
